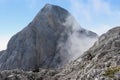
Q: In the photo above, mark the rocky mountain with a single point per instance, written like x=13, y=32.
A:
x=100, y=62
x=51, y=40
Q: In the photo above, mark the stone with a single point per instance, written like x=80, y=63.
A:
x=104, y=63
x=47, y=42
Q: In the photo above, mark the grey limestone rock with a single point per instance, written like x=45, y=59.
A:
x=41, y=47
x=44, y=42
x=100, y=62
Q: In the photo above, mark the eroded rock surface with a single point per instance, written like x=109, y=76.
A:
x=47, y=42
x=100, y=62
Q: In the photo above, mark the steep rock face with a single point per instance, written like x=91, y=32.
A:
x=44, y=42
x=100, y=62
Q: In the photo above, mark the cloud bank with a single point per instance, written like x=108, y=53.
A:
x=77, y=42
x=3, y=42
x=97, y=15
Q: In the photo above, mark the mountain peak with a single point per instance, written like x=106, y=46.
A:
x=53, y=8
x=48, y=6
x=47, y=42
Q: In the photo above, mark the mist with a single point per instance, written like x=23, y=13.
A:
x=3, y=42
x=77, y=43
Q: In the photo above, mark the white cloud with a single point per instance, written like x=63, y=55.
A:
x=76, y=44
x=78, y=8
x=100, y=6
x=3, y=42
x=95, y=12
x=86, y=9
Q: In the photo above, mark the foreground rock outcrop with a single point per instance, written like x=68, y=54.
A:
x=43, y=74
x=100, y=62
x=51, y=40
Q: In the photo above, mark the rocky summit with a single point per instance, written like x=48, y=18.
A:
x=51, y=40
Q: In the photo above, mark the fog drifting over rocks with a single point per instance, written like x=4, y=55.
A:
x=78, y=41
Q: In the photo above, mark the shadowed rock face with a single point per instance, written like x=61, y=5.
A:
x=39, y=44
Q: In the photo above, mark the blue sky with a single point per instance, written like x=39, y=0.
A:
x=95, y=15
